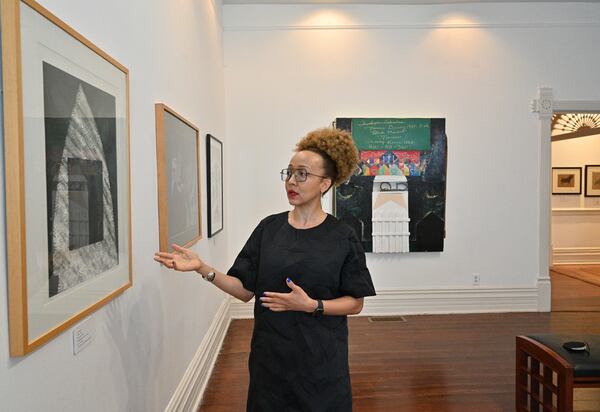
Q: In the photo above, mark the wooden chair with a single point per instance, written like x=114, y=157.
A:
x=546, y=373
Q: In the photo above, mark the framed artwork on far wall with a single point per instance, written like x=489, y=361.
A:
x=566, y=180
x=391, y=148
x=178, y=166
x=214, y=179
x=66, y=148
x=592, y=180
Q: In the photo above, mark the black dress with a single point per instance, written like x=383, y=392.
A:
x=299, y=362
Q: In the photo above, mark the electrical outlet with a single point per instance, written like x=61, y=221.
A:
x=476, y=279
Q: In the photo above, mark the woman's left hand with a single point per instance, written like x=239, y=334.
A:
x=296, y=300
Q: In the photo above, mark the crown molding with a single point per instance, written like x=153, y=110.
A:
x=408, y=2
x=423, y=26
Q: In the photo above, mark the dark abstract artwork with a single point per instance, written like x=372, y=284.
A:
x=81, y=179
x=214, y=180
x=425, y=171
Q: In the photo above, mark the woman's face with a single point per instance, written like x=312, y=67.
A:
x=300, y=193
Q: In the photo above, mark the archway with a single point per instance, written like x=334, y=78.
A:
x=546, y=106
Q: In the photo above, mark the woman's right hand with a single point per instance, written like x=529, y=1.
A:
x=181, y=259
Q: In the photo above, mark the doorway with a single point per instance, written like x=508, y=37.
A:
x=575, y=211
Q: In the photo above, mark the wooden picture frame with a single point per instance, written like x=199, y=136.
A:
x=214, y=181
x=178, y=167
x=566, y=180
x=66, y=137
x=592, y=180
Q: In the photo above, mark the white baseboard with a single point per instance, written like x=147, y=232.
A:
x=576, y=256
x=434, y=301
x=463, y=300
x=241, y=310
x=189, y=392
x=544, y=291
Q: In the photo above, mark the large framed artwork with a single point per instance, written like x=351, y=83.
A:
x=178, y=165
x=396, y=199
x=67, y=174
x=566, y=180
x=214, y=179
x=592, y=180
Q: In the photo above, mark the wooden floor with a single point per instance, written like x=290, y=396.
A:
x=571, y=294
x=587, y=273
x=442, y=363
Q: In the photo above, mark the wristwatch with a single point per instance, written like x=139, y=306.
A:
x=210, y=276
x=319, y=309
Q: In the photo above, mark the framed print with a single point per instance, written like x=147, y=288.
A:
x=178, y=165
x=592, y=180
x=566, y=180
x=391, y=149
x=67, y=174
x=214, y=179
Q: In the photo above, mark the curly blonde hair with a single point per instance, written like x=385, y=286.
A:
x=337, y=149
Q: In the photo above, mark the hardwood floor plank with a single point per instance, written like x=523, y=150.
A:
x=586, y=273
x=441, y=363
x=570, y=294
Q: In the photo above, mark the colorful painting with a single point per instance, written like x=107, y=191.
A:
x=390, y=162
x=424, y=169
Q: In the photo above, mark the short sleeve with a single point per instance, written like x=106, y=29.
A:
x=245, y=266
x=355, y=276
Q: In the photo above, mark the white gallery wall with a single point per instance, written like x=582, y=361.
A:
x=268, y=76
x=576, y=218
x=293, y=68
x=144, y=339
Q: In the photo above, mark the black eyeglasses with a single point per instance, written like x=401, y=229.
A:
x=299, y=174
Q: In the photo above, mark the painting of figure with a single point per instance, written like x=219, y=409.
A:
x=596, y=180
x=182, y=176
x=177, y=149
x=566, y=180
x=592, y=180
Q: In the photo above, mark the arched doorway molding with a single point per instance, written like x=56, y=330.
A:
x=545, y=106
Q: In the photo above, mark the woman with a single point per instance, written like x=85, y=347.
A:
x=307, y=271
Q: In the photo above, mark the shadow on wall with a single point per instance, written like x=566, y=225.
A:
x=138, y=354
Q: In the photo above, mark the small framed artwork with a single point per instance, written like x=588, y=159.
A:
x=214, y=179
x=566, y=180
x=592, y=180
x=178, y=165
x=66, y=141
